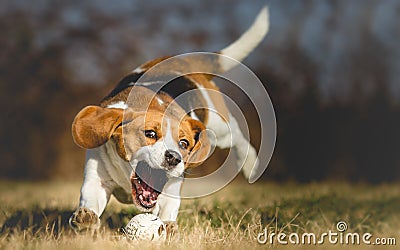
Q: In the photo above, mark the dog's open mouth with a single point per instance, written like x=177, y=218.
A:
x=147, y=184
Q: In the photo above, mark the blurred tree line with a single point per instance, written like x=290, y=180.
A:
x=58, y=57
x=356, y=139
x=37, y=99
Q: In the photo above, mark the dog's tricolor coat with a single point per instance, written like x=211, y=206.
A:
x=139, y=147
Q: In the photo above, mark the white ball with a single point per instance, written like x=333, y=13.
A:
x=146, y=227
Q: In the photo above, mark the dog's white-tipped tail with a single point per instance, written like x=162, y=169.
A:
x=247, y=41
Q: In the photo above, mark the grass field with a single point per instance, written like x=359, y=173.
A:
x=34, y=216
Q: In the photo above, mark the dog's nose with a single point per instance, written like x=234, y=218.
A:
x=172, y=157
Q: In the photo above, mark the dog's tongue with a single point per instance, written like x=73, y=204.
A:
x=147, y=196
x=148, y=183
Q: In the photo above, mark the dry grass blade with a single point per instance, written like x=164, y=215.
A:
x=227, y=219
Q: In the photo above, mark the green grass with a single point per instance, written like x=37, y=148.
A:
x=34, y=216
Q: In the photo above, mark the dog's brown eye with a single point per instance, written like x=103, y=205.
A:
x=184, y=144
x=150, y=134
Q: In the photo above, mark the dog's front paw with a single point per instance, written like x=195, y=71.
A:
x=172, y=230
x=84, y=219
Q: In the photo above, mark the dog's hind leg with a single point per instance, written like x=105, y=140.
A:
x=225, y=131
x=227, y=134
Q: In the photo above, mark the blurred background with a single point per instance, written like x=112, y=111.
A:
x=332, y=70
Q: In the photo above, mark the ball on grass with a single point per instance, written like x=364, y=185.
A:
x=146, y=227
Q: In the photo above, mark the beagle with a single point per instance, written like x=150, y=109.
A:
x=140, y=140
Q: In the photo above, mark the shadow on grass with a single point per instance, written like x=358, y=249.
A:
x=55, y=221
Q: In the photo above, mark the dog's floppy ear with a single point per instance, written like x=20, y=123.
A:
x=94, y=125
x=201, y=149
